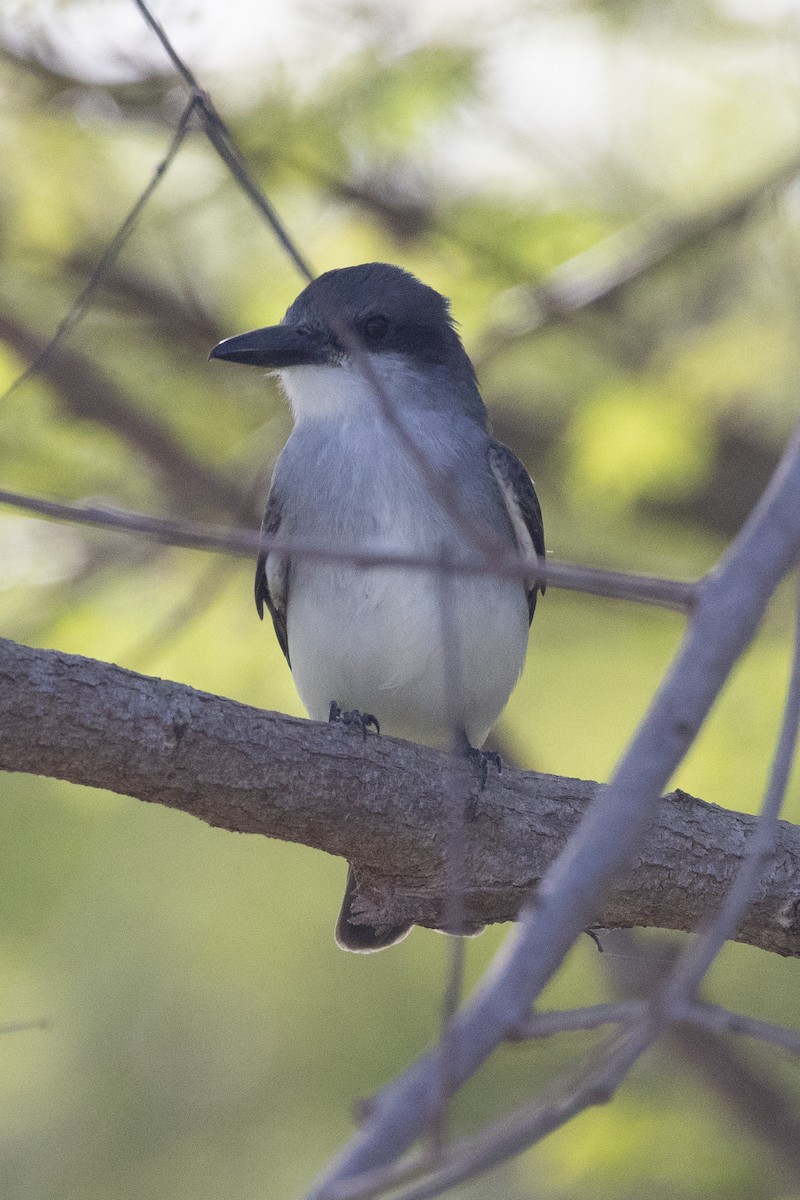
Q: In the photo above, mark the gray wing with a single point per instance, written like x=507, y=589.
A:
x=272, y=577
x=522, y=505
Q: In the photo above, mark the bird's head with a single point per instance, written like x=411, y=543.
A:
x=352, y=326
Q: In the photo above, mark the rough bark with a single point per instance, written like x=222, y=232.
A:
x=381, y=803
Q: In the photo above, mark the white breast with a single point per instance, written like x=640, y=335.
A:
x=422, y=657
x=392, y=642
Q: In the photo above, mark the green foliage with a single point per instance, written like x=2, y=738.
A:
x=630, y=442
x=205, y=1037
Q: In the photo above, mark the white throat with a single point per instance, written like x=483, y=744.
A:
x=342, y=391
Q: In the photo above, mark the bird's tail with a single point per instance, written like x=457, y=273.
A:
x=363, y=939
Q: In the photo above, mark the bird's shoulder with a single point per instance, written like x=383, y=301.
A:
x=271, y=586
x=523, y=508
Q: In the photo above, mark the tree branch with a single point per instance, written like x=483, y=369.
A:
x=595, y=581
x=592, y=277
x=379, y=803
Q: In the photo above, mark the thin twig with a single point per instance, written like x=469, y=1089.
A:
x=545, y=1024
x=595, y=275
x=86, y=392
x=721, y=1020
x=594, y=1083
x=110, y=255
x=760, y=1106
x=755, y=1099
x=24, y=1026
x=671, y=594
x=223, y=143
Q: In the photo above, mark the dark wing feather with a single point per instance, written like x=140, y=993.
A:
x=276, y=603
x=522, y=505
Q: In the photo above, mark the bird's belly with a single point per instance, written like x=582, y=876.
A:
x=423, y=658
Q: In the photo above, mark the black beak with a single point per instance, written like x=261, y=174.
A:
x=276, y=346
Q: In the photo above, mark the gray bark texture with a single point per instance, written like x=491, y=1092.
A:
x=386, y=805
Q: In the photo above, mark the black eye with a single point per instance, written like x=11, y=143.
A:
x=375, y=328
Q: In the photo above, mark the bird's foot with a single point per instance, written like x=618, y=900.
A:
x=482, y=759
x=353, y=718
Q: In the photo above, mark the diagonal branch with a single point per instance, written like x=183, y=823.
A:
x=577, y=887
x=761, y=1107
x=683, y=985
x=222, y=141
x=594, y=1082
x=594, y=276
x=111, y=253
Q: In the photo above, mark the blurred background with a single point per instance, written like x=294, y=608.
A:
x=606, y=190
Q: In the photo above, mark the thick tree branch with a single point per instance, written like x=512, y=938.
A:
x=380, y=803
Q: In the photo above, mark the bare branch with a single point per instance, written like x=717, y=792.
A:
x=625, y=1012
x=222, y=141
x=749, y=1090
x=688, y=974
x=545, y=1024
x=24, y=1026
x=595, y=275
x=111, y=253
x=601, y=1073
x=253, y=771
x=593, y=1083
x=759, y=1106
x=720, y=1020
x=644, y=589
x=173, y=316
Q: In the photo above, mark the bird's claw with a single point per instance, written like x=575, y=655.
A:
x=352, y=717
x=482, y=758
x=593, y=933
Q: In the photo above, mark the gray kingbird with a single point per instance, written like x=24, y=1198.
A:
x=415, y=653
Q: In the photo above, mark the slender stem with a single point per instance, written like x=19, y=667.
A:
x=721, y=1020
x=110, y=255
x=619, y=585
x=545, y=1024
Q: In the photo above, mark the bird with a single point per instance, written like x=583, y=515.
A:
x=391, y=452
